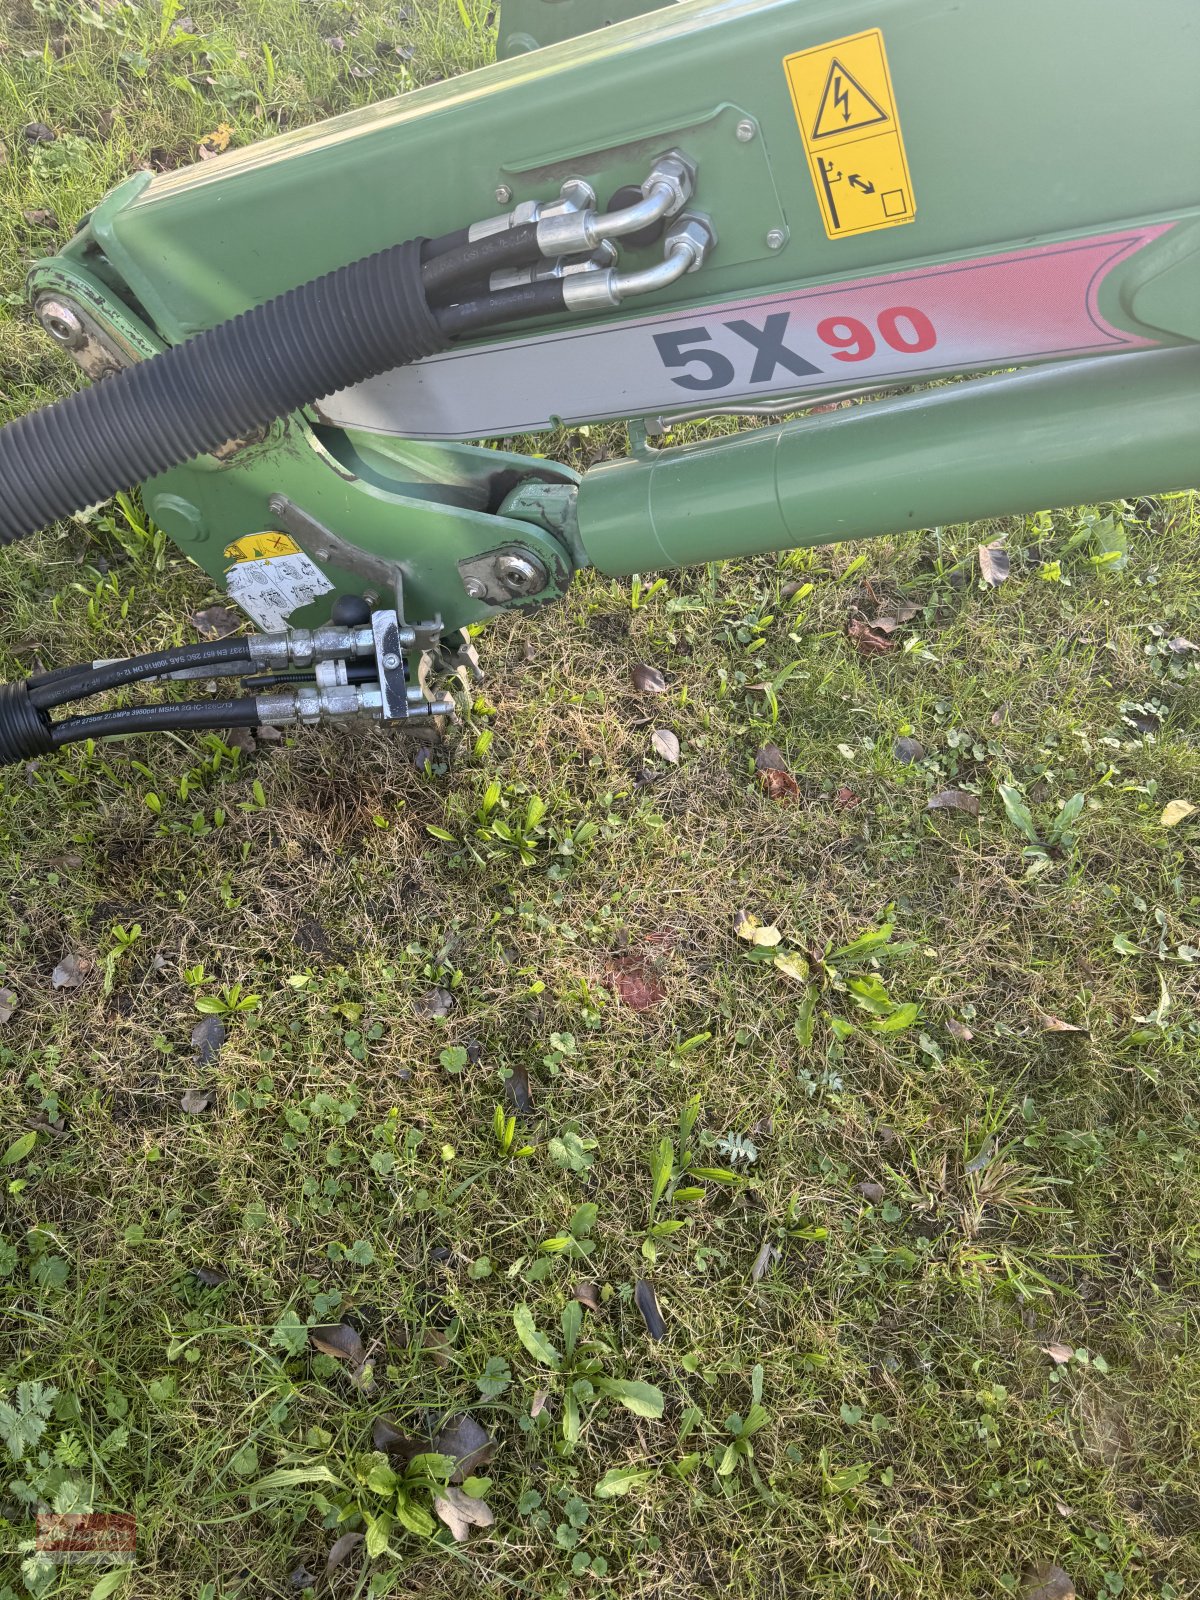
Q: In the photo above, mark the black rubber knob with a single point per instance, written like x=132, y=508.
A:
x=628, y=195
x=350, y=611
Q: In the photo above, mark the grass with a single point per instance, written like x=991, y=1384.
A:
x=923, y=1185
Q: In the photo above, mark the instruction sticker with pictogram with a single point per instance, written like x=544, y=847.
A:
x=271, y=577
x=843, y=98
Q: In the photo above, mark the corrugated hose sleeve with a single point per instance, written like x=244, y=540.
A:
x=25, y=731
x=336, y=330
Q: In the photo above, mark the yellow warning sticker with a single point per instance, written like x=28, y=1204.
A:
x=843, y=98
x=261, y=547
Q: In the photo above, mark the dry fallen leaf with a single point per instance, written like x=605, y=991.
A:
x=866, y=640
x=635, y=982
x=747, y=926
x=40, y=218
x=387, y=1435
x=959, y=1030
x=1175, y=811
x=588, y=1294
x=778, y=785
x=434, y=1003
x=1049, y=1024
x=240, y=739
x=438, y=1346
x=339, y=1339
x=665, y=744
x=538, y=1405
x=70, y=972
x=207, y=1038
x=647, y=1303
x=194, y=1101
x=888, y=622
x=766, y=1258
x=217, y=140
x=1060, y=1354
x=471, y=1446
x=647, y=679
x=845, y=799
x=517, y=1091
x=341, y=1548
x=955, y=800
x=994, y=564
x=1047, y=1582
x=216, y=622
x=461, y=1512
x=908, y=750
x=776, y=781
x=8, y=1004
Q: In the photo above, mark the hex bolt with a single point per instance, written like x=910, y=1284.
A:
x=62, y=322
x=745, y=130
x=503, y=194
x=776, y=239
x=391, y=661
x=520, y=574
x=476, y=588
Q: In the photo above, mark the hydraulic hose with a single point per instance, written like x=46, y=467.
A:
x=75, y=683
x=539, y=299
x=189, y=714
x=475, y=260
x=336, y=330
x=26, y=730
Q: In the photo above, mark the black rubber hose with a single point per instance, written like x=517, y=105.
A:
x=188, y=714
x=356, y=672
x=445, y=242
x=351, y=324
x=79, y=682
x=475, y=261
x=540, y=299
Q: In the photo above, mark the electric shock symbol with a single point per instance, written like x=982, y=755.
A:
x=845, y=105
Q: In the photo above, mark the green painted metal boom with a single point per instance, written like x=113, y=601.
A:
x=874, y=199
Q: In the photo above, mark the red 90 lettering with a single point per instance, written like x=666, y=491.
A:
x=902, y=328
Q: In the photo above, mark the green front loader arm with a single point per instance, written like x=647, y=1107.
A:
x=901, y=194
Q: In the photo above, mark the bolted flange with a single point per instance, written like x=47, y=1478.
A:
x=62, y=322
x=520, y=574
x=498, y=577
